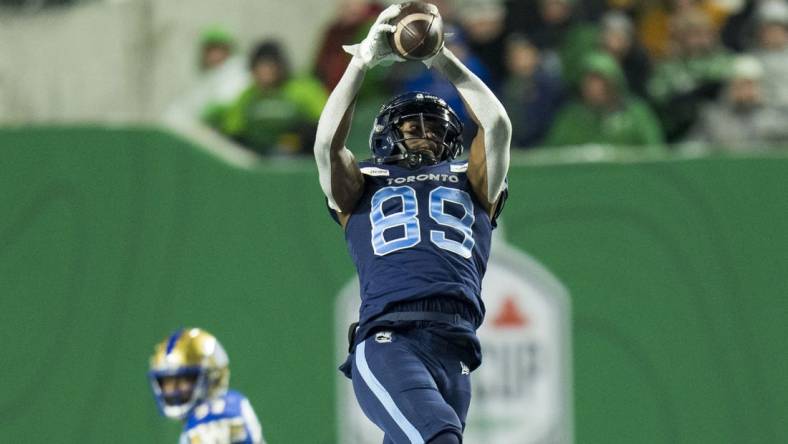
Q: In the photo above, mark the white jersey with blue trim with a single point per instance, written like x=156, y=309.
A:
x=228, y=419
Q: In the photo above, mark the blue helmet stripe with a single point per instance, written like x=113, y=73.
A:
x=173, y=339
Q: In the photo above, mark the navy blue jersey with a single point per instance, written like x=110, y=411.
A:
x=418, y=233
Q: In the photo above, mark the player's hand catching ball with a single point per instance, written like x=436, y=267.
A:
x=375, y=49
x=418, y=33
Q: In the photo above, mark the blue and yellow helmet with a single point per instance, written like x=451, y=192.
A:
x=194, y=356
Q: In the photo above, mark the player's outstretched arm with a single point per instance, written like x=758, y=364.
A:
x=488, y=162
x=340, y=177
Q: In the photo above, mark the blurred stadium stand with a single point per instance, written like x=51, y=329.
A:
x=125, y=61
x=30, y=6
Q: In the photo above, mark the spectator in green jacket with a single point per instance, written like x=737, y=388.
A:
x=277, y=114
x=222, y=77
x=692, y=76
x=563, y=30
x=605, y=113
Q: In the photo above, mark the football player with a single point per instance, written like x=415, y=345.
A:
x=418, y=225
x=189, y=376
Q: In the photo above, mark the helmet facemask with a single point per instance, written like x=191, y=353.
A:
x=424, y=136
x=416, y=129
x=178, y=392
x=186, y=369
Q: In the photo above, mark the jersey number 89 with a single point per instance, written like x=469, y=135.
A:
x=409, y=221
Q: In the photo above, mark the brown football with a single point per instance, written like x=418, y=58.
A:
x=419, y=33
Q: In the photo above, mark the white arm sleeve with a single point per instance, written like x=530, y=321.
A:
x=337, y=105
x=491, y=115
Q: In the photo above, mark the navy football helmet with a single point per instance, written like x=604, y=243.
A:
x=432, y=119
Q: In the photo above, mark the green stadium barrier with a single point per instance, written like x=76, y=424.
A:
x=111, y=238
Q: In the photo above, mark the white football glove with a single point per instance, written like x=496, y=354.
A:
x=375, y=48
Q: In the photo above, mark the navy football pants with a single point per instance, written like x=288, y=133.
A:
x=411, y=384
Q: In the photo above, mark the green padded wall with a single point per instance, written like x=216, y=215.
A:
x=109, y=239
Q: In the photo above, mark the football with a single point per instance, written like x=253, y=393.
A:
x=419, y=33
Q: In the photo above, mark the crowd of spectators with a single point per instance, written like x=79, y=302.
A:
x=633, y=73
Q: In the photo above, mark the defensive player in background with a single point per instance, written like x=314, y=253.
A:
x=189, y=375
x=418, y=225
